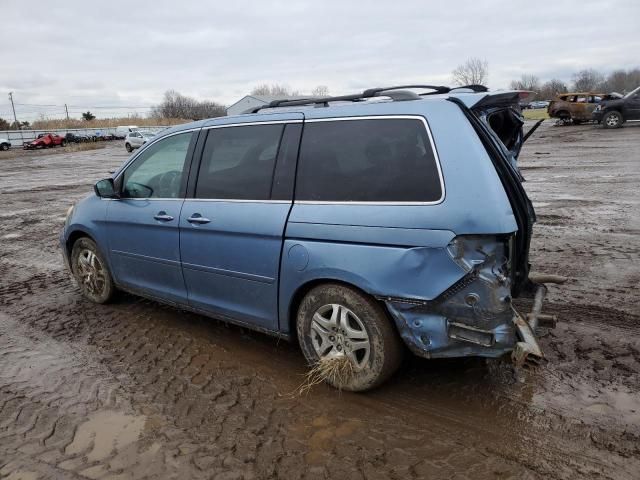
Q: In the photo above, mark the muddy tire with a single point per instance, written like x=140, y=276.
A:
x=612, y=119
x=128, y=147
x=335, y=320
x=91, y=272
x=4, y=146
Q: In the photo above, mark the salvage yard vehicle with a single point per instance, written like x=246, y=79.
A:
x=5, y=144
x=574, y=107
x=614, y=112
x=356, y=225
x=136, y=139
x=45, y=140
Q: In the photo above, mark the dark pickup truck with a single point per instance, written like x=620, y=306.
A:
x=613, y=113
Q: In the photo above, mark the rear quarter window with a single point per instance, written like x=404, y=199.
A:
x=382, y=159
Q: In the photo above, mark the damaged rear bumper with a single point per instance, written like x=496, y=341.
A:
x=475, y=316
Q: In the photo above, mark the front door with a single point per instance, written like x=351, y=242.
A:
x=142, y=226
x=632, y=107
x=231, y=232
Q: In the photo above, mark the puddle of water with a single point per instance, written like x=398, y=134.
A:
x=104, y=432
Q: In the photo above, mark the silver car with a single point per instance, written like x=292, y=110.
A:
x=136, y=139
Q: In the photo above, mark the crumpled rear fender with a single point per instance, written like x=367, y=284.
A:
x=419, y=273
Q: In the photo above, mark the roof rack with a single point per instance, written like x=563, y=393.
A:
x=397, y=93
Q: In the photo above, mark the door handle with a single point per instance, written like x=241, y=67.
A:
x=197, y=219
x=163, y=217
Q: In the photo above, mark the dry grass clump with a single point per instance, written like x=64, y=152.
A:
x=81, y=147
x=336, y=370
x=105, y=123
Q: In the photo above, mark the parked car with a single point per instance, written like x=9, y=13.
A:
x=5, y=144
x=45, y=140
x=387, y=224
x=613, y=113
x=73, y=138
x=123, y=130
x=538, y=104
x=136, y=139
x=574, y=107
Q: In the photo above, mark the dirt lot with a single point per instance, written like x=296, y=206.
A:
x=136, y=389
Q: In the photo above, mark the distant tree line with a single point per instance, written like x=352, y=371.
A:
x=588, y=80
x=176, y=105
x=476, y=71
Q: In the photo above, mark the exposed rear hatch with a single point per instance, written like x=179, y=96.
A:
x=501, y=111
x=498, y=123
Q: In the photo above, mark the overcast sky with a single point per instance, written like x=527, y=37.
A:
x=116, y=53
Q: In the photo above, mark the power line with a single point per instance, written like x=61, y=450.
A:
x=84, y=106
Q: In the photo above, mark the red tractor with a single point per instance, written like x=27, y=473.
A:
x=45, y=140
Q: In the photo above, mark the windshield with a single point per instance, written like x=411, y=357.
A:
x=632, y=92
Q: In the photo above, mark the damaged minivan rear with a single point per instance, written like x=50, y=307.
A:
x=361, y=226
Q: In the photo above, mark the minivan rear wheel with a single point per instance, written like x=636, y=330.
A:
x=338, y=323
x=91, y=272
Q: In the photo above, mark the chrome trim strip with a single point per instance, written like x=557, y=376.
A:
x=233, y=200
x=228, y=273
x=150, y=199
x=138, y=256
x=271, y=122
x=384, y=117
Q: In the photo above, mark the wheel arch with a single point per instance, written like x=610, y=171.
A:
x=76, y=235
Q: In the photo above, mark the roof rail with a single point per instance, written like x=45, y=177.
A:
x=397, y=93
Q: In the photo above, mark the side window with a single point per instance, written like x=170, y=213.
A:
x=373, y=160
x=238, y=162
x=159, y=170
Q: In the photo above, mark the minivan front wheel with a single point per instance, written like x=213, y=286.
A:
x=336, y=323
x=612, y=120
x=91, y=272
x=128, y=147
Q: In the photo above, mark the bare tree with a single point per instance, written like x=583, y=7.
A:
x=587, y=80
x=275, y=90
x=474, y=71
x=320, y=91
x=552, y=88
x=622, y=81
x=526, y=82
x=175, y=105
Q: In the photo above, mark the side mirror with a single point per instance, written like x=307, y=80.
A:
x=105, y=188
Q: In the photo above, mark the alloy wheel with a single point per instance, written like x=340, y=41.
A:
x=337, y=331
x=91, y=272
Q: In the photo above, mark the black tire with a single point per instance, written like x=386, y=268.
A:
x=612, y=119
x=4, y=147
x=385, y=346
x=98, y=288
x=63, y=143
x=128, y=147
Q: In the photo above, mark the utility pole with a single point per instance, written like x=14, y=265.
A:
x=66, y=110
x=13, y=107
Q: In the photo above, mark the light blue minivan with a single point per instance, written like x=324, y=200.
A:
x=359, y=225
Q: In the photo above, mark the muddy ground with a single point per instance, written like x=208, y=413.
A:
x=135, y=389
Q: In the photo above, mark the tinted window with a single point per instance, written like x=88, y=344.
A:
x=381, y=160
x=159, y=170
x=238, y=162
